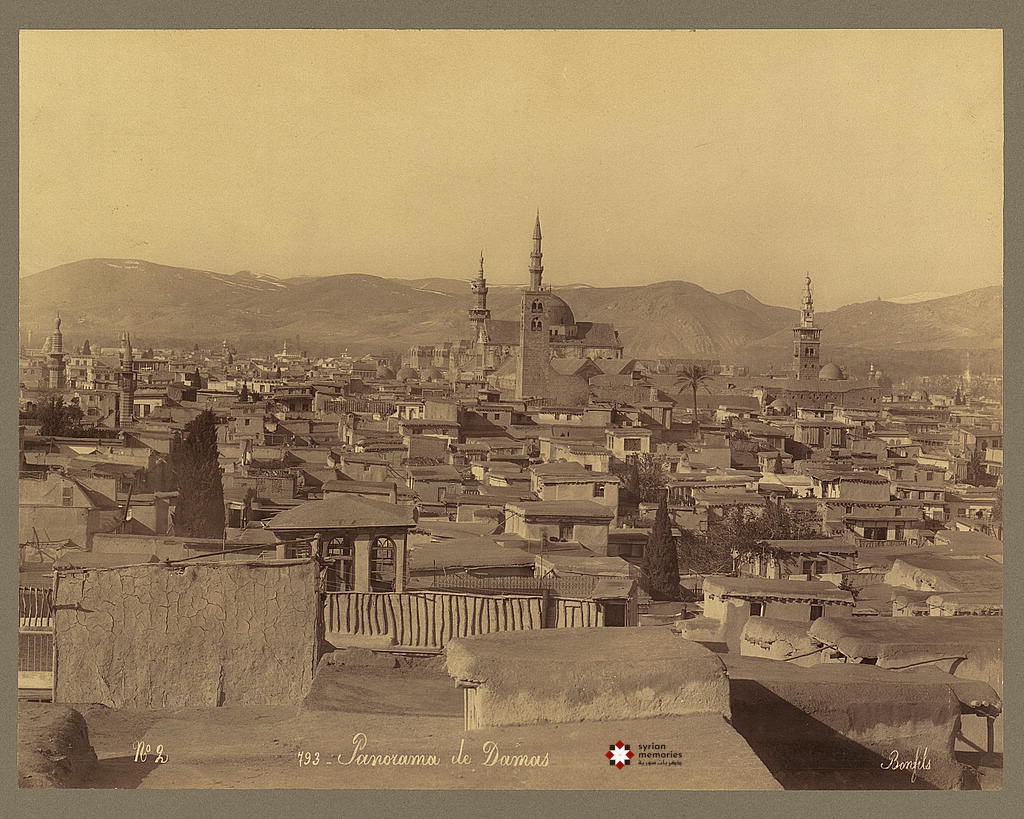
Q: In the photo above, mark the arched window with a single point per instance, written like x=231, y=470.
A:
x=537, y=307
x=536, y=324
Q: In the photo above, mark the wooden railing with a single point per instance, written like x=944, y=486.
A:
x=430, y=619
x=868, y=543
x=35, y=609
x=565, y=585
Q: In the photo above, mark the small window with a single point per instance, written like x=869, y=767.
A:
x=631, y=444
x=817, y=612
x=590, y=468
x=68, y=495
x=598, y=490
x=565, y=531
x=756, y=609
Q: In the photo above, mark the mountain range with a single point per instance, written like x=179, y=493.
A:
x=173, y=306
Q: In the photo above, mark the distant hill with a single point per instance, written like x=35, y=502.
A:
x=180, y=306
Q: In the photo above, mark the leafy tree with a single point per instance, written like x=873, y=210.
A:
x=777, y=466
x=660, y=568
x=57, y=418
x=244, y=394
x=740, y=533
x=976, y=473
x=86, y=349
x=694, y=377
x=643, y=478
x=200, y=508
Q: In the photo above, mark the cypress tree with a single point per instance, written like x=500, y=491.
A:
x=200, y=508
x=661, y=562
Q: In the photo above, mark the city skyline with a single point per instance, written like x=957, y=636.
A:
x=287, y=153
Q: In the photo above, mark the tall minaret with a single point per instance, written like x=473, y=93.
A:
x=55, y=355
x=534, y=336
x=479, y=314
x=127, y=400
x=536, y=268
x=807, y=339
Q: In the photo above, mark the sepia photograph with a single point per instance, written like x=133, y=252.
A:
x=516, y=410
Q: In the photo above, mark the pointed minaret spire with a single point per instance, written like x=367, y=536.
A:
x=479, y=314
x=126, y=402
x=807, y=314
x=536, y=268
x=126, y=347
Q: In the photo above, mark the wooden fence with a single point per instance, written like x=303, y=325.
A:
x=430, y=619
x=569, y=585
x=35, y=638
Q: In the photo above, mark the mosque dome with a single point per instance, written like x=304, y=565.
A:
x=433, y=374
x=385, y=372
x=559, y=313
x=831, y=372
x=408, y=374
x=780, y=407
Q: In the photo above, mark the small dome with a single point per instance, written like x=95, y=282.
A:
x=831, y=372
x=559, y=313
x=780, y=406
x=408, y=374
x=385, y=372
x=433, y=374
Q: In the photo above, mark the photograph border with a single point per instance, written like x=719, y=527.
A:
x=600, y=14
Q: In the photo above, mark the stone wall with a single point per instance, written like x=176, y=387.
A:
x=191, y=635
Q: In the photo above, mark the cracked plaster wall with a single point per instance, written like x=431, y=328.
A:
x=157, y=636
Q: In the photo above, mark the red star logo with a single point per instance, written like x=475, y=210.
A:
x=618, y=755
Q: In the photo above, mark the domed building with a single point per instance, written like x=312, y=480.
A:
x=498, y=341
x=547, y=330
x=831, y=372
x=812, y=385
x=408, y=374
x=385, y=373
x=432, y=375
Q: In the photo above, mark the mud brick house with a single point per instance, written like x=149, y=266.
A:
x=627, y=443
x=802, y=560
x=570, y=482
x=643, y=673
x=968, y=647
x=538, y=522
x=730, y=601
x=56, y=507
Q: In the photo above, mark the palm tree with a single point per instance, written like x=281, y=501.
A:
x=694, y=377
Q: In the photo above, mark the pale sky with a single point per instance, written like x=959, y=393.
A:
x=733, y=159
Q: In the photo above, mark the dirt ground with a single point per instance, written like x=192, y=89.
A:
x=412, y=711
x=400, y=711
